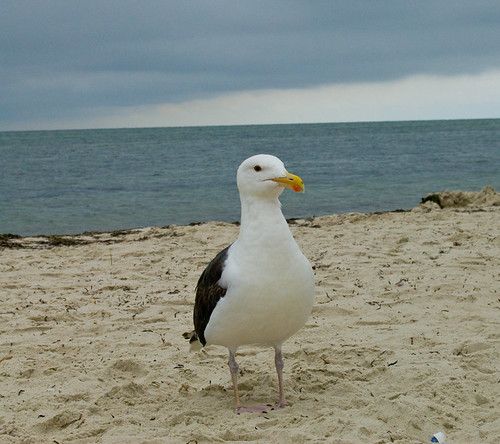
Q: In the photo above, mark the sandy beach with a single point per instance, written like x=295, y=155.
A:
x=403, y=341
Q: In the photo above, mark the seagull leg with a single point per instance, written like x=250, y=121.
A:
x=278, y=361
x=234, y=368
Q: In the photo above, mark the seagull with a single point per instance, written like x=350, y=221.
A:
x=260, y=289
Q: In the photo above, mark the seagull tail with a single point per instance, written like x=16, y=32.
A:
x=194, y=343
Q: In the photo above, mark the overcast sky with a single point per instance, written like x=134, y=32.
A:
x=79, y=64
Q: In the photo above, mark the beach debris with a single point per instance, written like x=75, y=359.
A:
x=8, y=241
x=455, y=199
x=401, y=282
x=439, y=438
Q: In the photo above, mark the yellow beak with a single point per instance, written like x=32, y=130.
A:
x=291, y=181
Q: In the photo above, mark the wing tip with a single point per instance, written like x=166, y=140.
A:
x=194, y=342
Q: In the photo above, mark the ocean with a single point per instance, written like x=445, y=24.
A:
x=72, y=181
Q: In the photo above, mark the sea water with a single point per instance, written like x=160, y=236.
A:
x=94, y=180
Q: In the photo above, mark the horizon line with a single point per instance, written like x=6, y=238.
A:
x=222, y=125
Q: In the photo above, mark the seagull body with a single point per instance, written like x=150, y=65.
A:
x=259, y=290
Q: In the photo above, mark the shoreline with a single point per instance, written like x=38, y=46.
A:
x=125, y=231
x=13, y=241
x=473, y=200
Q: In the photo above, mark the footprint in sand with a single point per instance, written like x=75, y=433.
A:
x=127, y=368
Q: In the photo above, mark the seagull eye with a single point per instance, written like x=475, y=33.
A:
x=257, y=168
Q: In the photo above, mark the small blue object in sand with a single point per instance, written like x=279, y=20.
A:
x=439, y=438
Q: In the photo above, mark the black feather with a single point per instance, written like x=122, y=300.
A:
x=208, y=293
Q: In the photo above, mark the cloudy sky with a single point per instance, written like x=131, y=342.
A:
x=119, y=63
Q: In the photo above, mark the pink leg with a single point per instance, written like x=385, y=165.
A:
x=278, y=361
x=234, y=368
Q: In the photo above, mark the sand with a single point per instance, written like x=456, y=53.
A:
x=403, y=341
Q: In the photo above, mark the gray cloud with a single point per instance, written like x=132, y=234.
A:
x=62, y=58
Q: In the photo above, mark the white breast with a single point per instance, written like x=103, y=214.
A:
x=270, y=293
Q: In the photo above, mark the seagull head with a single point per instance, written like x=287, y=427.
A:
x=264, y=175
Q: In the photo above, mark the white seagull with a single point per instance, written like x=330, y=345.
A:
x=260, y=289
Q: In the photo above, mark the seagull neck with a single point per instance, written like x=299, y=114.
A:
x=262, y=216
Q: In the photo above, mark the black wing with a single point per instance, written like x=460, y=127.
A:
x=208, y=293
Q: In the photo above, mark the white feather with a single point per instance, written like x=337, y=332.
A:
x=270, y=283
